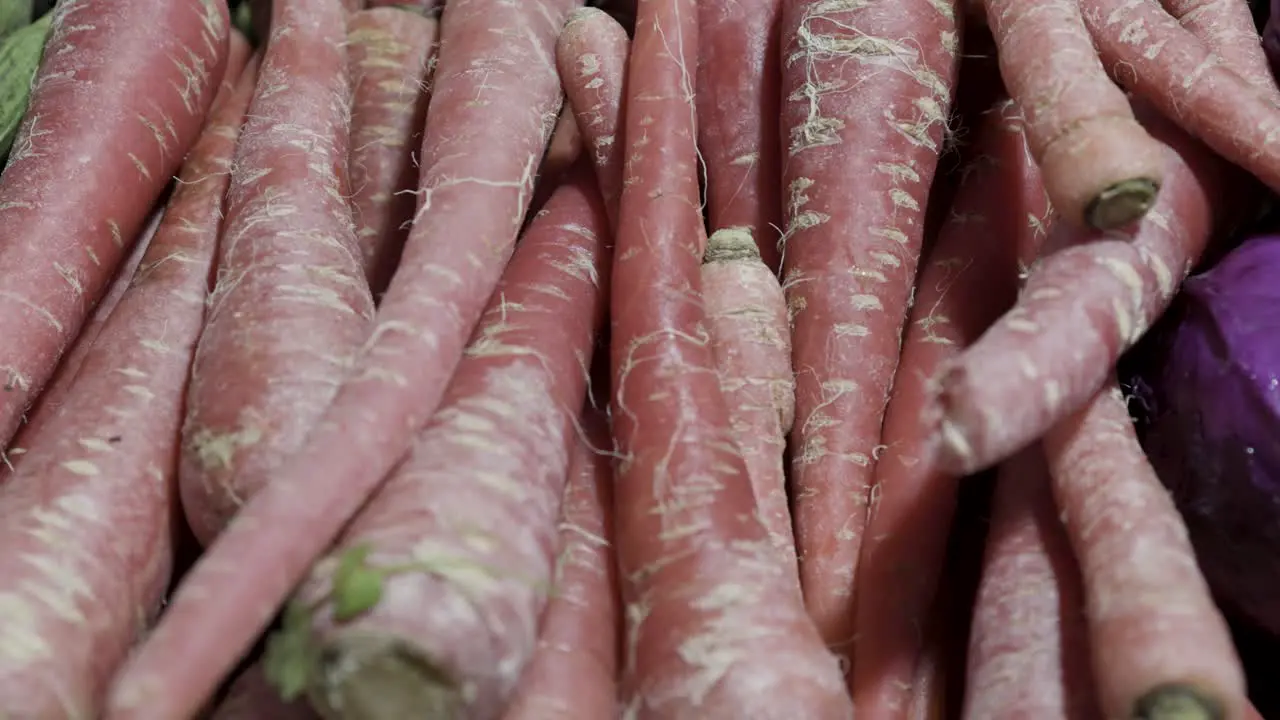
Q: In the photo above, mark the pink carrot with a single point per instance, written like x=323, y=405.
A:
x=738, y=118
x=591, y=55
x=970, y=278
x=1227, y=29
x=1088, y=298
x=747, y=322
x=478, y=160
x=390, y=52
x=1158, y=640
x=1028, y=653
x=290, y=306
x=463, y=533
x=867, y=89
x=85, y=520
x=51, y=398
x=573, y=673
x=120, y=97
x=1186, y=79
x=713, y=629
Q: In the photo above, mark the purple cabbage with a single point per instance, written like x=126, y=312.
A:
x=1211, y=383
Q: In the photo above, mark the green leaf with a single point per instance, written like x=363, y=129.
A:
x=357, y=593
x=291, y=659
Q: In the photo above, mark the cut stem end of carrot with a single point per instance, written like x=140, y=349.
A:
x=1122, y=203
x=380, y=678
x=1177, y=702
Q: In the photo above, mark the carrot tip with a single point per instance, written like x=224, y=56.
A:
x=1177, y=702
x=1121, y=203
x=381, y=678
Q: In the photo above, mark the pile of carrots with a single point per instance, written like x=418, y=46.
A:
x=671, y=359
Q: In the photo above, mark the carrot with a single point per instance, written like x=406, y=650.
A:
x=64, y=221
x=290, y=306
x=1180, y=75
x=849, y=266
x=591, y=55
x=573, y=671
x=1088, y=298
x=1227, y=29
x=1029, y=654
x=478, y=159
x=1101, y=168
x=1158, y=639
x=251, y=697
x=747, y=322
x=971, y=276
x=737, y=100
x=50, y=399
x=462, y=536
x=390, y=53
x=713, y=631
x=85, y=519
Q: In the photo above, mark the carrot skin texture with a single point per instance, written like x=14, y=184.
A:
x=85, y=521
x=591, y=56
x=290, y=305
x=750, y=338
x=1227, y=29
x=471, y=207
x=738, y=119
x=1080, y=126
x=1088, y=298
x=491, y=464
x=389, y=54
x=696, y=565
x=969, y=278
x=251, y=697
x=1028, y=654
x=64, y=222
x=1152, y=621
x=867, y=89
x=573, y=673
x=47, y=403
x=1178, y=74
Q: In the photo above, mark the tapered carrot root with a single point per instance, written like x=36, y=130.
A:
x=737, y=100
x=713, y=632
x=867, y=89
x=478, y=161
x=463, y=533
x=85, y=520
x=291, y=306
x=747, y=320
x=128, y=85
x=251, y=697
x=591, y=55
x=1101, y=168
x=1088, y=298
x=1157, y=638
x=573, y=673
x=389, y=52
x=1029, y=653
x=1177, y=73
x=1000, y=212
